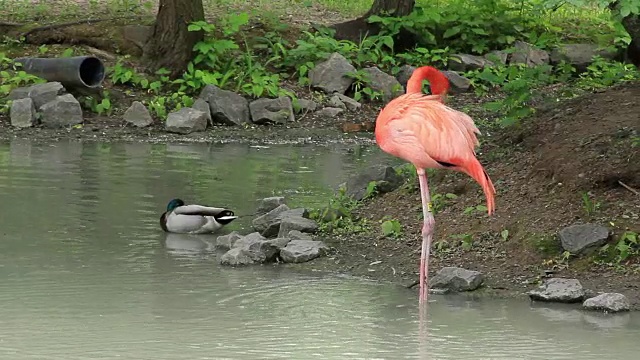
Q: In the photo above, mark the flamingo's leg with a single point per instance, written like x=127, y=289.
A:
x=427, y=235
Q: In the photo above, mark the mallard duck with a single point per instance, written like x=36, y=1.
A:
x=194, y=219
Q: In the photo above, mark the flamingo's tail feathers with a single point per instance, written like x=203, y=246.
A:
x=477, y=172
x=438, y=81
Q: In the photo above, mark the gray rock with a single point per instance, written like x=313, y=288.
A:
x=528, y=54
x=609, y=302
x=332, y=75
x=296, y=223
x=226, y=242
x=386, y=178
x=137, y=34
x=268, y=204
x=304, y=105
x=279, y=243
x=64, y=111
x=459, y=83
x=266, y=251
x=266, y=111
x=138, y=115
x=466, y=62
x=44, y=93
x=330, y=112
x=404, y=74
x=298, y=235
x=237, y=257
x=226, y=107
x=558, y=290
x=273, y=227
x=261, y=223
x=578, y=55
x=335, y=102
x=497, y=57
x=456, y=279
x=249, y=240
x=186, y=121
x=259, y=249
x=203, y=106
x=351, y=104
x=383, y=83
x=299, y=251
x=19, y=93
x=582, y=238
x=23, y=113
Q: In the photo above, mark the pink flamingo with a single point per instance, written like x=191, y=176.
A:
x=422, y=130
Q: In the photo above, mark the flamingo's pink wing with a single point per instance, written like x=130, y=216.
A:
x=421, y=126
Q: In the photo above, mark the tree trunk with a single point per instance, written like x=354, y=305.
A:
x=170, y=45
x=355, y=30
x=395, y=8
x=631, y=23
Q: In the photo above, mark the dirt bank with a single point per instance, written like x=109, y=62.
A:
x=540, y=172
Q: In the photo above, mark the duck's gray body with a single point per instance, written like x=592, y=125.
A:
x=194, y=219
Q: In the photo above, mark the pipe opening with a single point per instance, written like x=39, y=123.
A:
x=91, y=72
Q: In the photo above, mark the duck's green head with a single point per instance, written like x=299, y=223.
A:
x=174, y=204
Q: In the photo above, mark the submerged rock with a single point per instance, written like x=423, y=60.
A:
x=609, y=302
x=558, y=290
x=456, y=279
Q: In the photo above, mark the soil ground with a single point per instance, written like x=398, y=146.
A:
x=540, y=171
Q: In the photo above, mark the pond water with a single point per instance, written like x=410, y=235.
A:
x=86, y=272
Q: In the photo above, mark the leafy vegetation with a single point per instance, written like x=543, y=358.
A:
x=264, y=65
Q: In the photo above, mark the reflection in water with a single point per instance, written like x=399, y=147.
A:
x=88, y=273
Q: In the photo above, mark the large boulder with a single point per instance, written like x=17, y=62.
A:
x=332, y=75
x=63, y=111
x=385, y=177
x=558, y=290
x=186, y=121
x=456, y=279
x=138, y=115
x=23, y=113
x=582, y=238
x=383, y=83
x=269, y=111
x=609, y=302
x=226, y=107
x=298, y=251
x=528, y=55
x=466, y=62
x=579, y=56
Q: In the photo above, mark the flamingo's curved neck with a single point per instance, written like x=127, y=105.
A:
x=439, y=82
